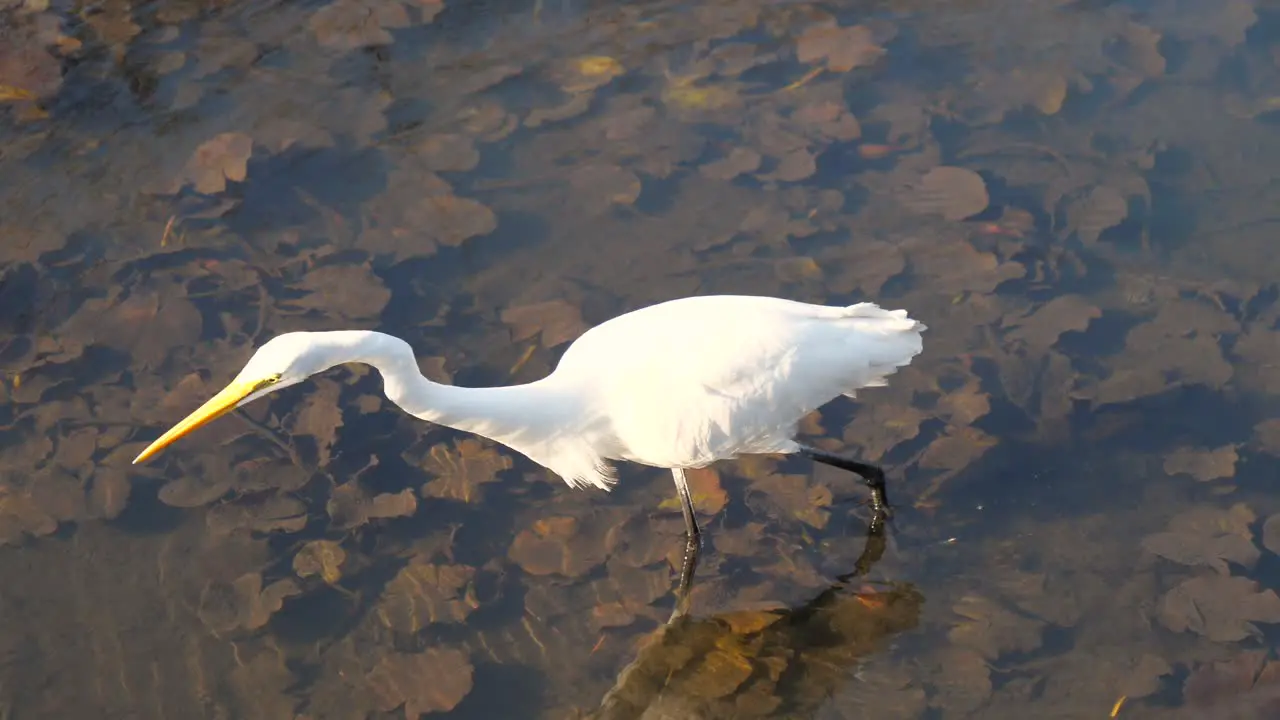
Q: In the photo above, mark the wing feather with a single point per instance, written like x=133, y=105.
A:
x=687, y=382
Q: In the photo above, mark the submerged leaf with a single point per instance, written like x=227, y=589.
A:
x=955, y=193
x=319, y=417
x=1203, y=465
x=957, y=449
x=993, y=630
x=221, y=158
x=1051, y=95
x=704, y=487
x=1271, y=534
x=796, y=165
x=1041, y=329
x=556, y=545
x=829, y=120
x=1219, y=607
x=1103, y=208
x=351, y=506
x=445, y=153
x=584, y=74
x=192, y=491
x=435, y=680
x=28, y=71
x=419, y=214
x=1208, y=536
x=1244, y=687
x=424, y=593
x=320, y=557
x=265, y=514
x=1267, y=436
x=243, y=603
x=842, y=48
x=881, y=427
x=1180, y=346
x=462, y=469
x=794, y=497
x=352, y=291
x=353, y=24
x=453, y=219
x=37, y=510
x=739, y=161
x=554, y=321
x=598, y=187
x=1145, y=678
x=149, y=325
x=878, y=262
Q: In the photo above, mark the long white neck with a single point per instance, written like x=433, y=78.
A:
x=522, y=417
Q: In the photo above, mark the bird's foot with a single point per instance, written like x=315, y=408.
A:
x=872, y=476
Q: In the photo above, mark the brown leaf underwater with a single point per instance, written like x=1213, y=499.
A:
x=216, y=161
x=840, y=48
x=955, y=193
x=400, y=680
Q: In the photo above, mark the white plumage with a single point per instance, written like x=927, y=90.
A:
x=688, y=382
x=675, y=385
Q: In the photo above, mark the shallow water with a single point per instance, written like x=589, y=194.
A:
x=1077, y=198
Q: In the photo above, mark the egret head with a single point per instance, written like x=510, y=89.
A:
x=283, y=361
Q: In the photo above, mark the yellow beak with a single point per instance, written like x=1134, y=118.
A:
x=217, y=406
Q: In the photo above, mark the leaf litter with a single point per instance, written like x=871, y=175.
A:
x=1028, y=334
x=398, y=681
x=221, y=159
x=355, y=24
x=993, y=630
x=423, y=593
x=840, y=49
x=1208, y=537
x=558, y=544
x=243, y=604
x=1245, y=686
x=350, y=290
x=350, y=505
x=462, y=470
x=419, y=215
x=1041, y=329
x=320, y=557
x=1221, y=608
x=1162, y=353
x=1203, y=464
x=270, y=513
x=955, y=193
x=555, y=322
x=28, y=72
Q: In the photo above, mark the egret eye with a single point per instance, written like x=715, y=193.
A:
x=268, y=381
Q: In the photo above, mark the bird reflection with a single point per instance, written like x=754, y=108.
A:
x=756, y=664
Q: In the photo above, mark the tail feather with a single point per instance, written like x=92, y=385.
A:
x=900, y=321
x=899, y=345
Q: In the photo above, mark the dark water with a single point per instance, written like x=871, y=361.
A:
x=1078, y=198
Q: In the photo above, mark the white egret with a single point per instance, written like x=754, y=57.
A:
x=676, y=385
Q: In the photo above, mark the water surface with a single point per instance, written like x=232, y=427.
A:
x=1078, y=198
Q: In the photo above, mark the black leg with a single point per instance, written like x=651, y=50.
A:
x=686, y=506
x=872, y=475
x=693, y=542
x=687, y=569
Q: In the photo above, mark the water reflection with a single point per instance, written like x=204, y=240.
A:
x=768, y=662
